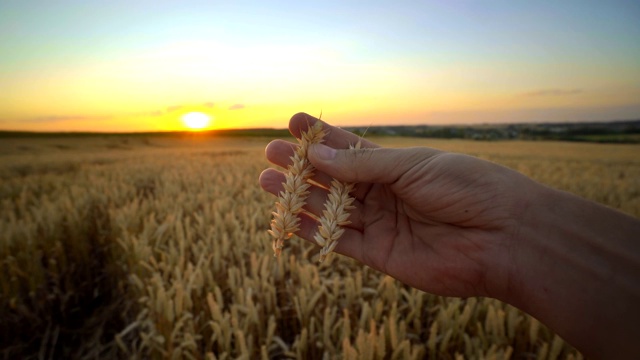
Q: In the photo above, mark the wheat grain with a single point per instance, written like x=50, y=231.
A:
x=291, y=200
x=177, y=247
x=335, y=215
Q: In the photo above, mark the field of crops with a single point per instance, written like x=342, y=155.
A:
x=131, y=247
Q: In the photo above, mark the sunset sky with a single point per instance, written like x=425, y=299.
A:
x=122, y=66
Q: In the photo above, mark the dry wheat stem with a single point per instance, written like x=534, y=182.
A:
x=187, y=291
x=335, y=215
x=291, y=200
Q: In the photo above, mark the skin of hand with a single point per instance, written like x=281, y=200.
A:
x=418, y=208
x=455, y=225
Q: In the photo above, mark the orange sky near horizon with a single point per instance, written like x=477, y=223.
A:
x=140, y=67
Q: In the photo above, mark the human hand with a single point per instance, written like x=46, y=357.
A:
x=455, y=225
x=437, y=221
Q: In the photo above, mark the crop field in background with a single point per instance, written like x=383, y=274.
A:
x=156, y=247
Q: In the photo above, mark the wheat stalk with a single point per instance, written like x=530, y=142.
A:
x=335, y=215
x=291, y=200
x=184, y=290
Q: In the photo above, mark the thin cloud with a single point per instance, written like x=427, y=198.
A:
x=236, y=107
x=150, y=113
x=59, y=118
x=145, y=113
x=156, y=113
x=209, y=104
x=553, y=92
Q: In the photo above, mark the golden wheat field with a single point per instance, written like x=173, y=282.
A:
x=133, y=247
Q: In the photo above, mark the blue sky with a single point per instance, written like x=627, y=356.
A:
x=66, y=64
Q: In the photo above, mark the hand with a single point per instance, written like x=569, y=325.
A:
x=434, y=220
x=455, y=225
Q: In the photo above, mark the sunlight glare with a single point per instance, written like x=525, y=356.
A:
x=196, y=120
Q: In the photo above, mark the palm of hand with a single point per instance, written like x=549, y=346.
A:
x=439, y=226
x=433, y=227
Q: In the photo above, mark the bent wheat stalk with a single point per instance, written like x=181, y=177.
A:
x=290, y=201
x=335, y=215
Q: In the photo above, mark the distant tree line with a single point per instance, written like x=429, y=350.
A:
x=605, y=132
x=616, y=131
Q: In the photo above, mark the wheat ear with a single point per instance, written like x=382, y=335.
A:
x=290, y=201
x=335, y=215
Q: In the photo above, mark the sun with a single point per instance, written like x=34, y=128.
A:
x=196, y=120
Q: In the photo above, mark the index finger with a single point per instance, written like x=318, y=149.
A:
x=336, y=138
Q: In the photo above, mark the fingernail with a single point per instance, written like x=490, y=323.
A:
x=324, y=152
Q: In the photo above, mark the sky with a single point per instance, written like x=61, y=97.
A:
x=120, y=66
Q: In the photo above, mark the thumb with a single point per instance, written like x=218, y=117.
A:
x=368, y=165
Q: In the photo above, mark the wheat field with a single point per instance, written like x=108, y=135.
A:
x=157, y=247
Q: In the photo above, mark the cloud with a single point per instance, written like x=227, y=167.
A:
x=174, y=108
x=145, y=113
x=87, y=117
x=208, y=104
x=59, y=118
x=553, y=92
x=236, y=107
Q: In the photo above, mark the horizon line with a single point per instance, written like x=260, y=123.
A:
x=227, y=130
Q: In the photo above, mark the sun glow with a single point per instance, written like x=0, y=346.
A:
x=196, y=120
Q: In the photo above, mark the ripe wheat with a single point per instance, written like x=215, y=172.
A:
x=335, y=215
x=291, y=200
x=141, y=240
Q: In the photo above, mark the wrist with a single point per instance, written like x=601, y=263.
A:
x=570, y=269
